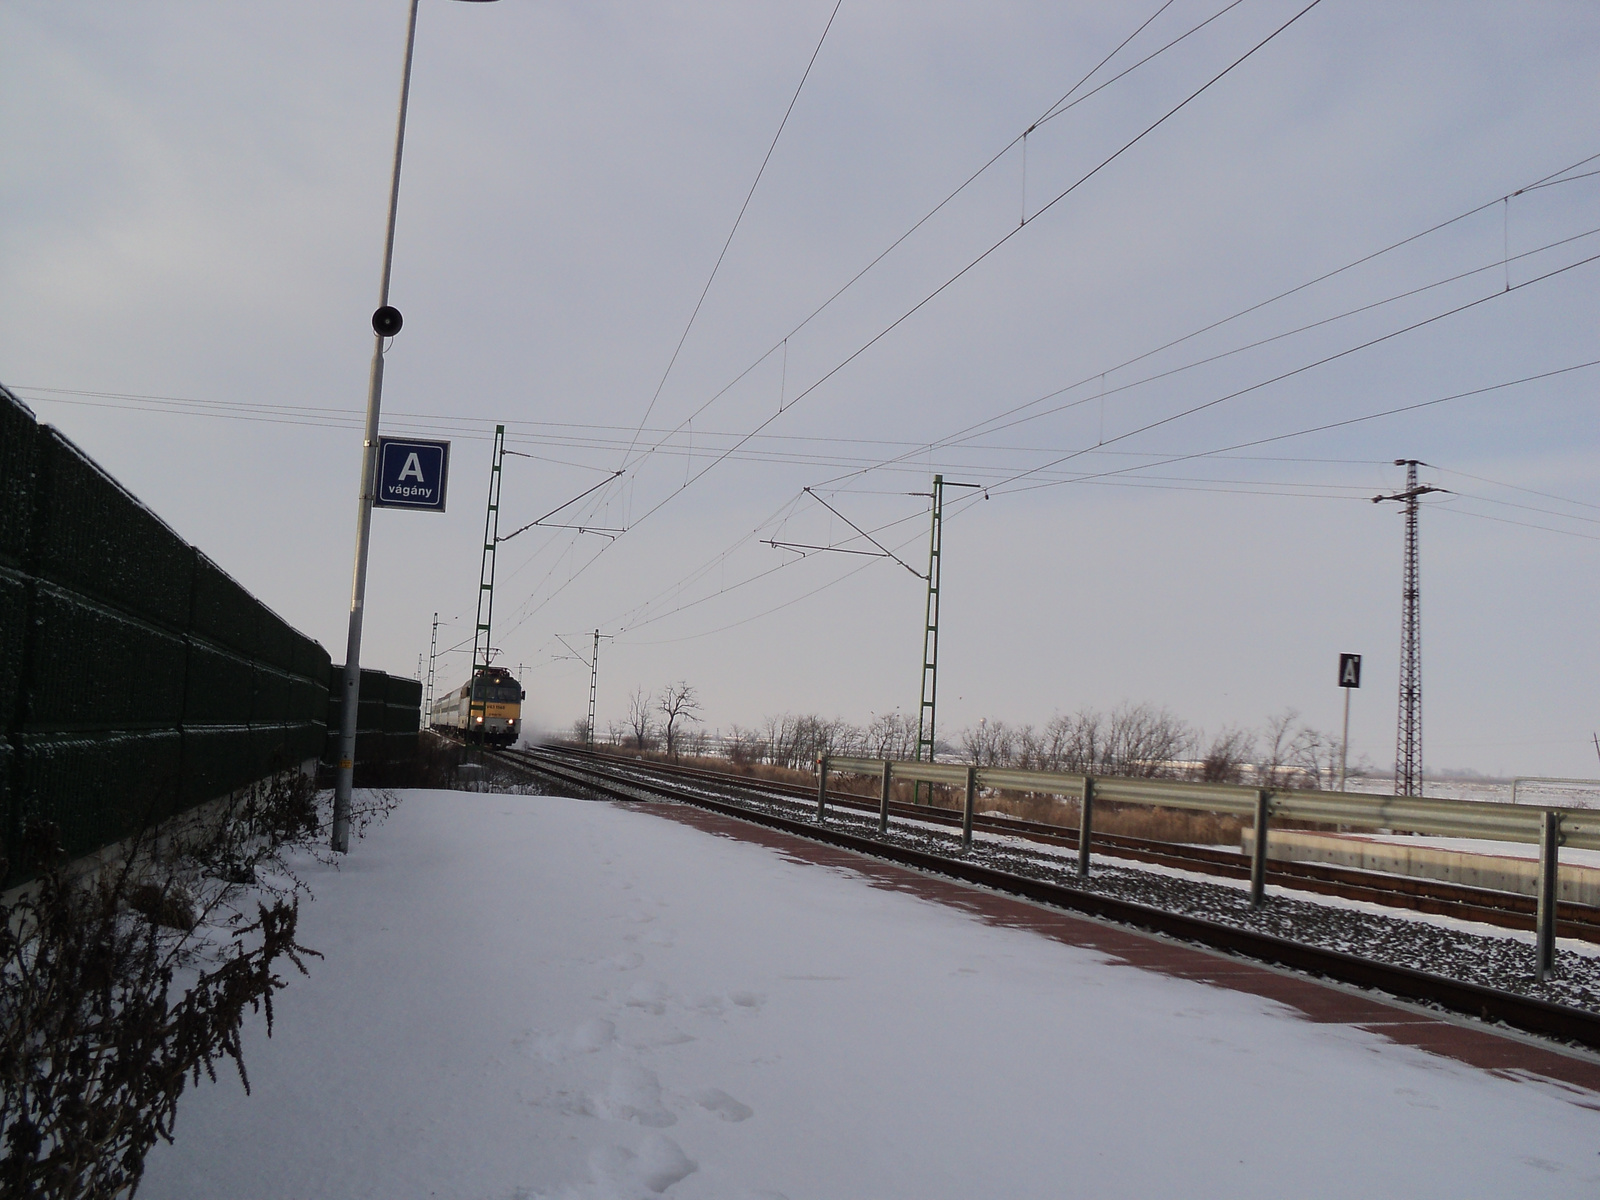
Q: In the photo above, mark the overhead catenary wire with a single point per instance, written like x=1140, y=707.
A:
x=667, y=449
x=1323, y=427
x=1119, y=477
x=1052, y=111
x=1322, y=361
x=351, y=417
x=717, y=266
x=528, y=612
x=1369, y=416
x=994, y=423
x=1060, y=196
x=337, y=417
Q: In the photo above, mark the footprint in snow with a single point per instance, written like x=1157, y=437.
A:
x=592, y=1035
x=587, y=1038
x=673, y=1037
x=658, y=1164
x=715, y=1006
x=651, y=997
x=626, y=961
x=719, y=1103
x=634, y=1094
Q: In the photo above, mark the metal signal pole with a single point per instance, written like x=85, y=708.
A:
x=1408, y=734
x=477, y=706
x=386, y=322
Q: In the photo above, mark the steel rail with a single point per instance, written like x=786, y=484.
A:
x=1524, y=1013
x=1506, y=910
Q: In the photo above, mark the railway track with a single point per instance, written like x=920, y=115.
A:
x=1435, y=897
x=633, y=781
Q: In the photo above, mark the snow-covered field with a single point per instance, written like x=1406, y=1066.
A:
x=533, y=996
x=1584, y=794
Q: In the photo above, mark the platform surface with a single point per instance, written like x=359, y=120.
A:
x=532, y=996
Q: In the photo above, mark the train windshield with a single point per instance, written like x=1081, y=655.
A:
x=497, y=692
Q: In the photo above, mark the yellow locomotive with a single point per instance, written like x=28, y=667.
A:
x=488, y=708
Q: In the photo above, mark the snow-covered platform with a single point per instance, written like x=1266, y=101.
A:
x=528, y=996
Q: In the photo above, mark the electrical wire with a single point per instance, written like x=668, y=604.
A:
x=736, y=222
x=1324, y=360
x=971, y=265
x=993, y=424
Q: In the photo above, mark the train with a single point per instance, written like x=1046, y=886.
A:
x=488, y=708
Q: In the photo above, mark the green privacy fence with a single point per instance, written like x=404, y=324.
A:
x=137, y=679
x=387, y=717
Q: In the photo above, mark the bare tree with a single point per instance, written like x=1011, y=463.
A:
x=1277, y=746
x=1028, y=749
x=1146, y=742
x=1073, y=743
x=678, y=703
x=1316, y=755
x=1225, y=758
x=987, y=744
x=639, y=718
x=741, y=745
x=1133, y=739
x=891, y=735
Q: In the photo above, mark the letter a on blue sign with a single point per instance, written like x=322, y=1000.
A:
x=412, y=474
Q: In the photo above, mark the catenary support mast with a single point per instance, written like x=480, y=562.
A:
x=927, y=708
x=594, y=680
x=433, y=652
x=481, y=646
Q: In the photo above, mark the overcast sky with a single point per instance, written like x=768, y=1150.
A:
x=191, y=207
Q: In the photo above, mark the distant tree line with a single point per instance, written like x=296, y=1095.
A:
x=1131, y=740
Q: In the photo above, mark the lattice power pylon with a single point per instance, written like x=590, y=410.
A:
x=1408, y=734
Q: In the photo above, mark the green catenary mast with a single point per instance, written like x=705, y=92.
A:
x=481, y=650
x=930, y=632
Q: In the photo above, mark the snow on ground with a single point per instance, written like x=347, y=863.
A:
x=541, y=997
x=1576, y=794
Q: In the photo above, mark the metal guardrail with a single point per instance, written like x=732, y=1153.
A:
x=1546, y=827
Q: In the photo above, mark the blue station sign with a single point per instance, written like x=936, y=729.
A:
x=412, y=474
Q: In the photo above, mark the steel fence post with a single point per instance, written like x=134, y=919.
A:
x=966, y=812
x=1085, y=827
x=883, y=802
x=1258, y=860
x=822, y=788
x=1549, y=895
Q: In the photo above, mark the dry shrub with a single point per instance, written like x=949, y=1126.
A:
x=1168, y=824
x=1125, y=820
x=123, y=983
